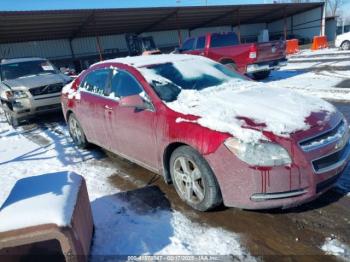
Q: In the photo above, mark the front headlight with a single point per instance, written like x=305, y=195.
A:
x=19, y=94
x=259, y=154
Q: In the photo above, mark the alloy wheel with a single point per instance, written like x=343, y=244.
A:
x=189, y=180
x=75, y=130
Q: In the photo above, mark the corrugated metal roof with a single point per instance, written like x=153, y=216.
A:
x=19, y=26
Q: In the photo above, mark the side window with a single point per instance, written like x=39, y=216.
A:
x=221, y=40
x=188, y=45
x=124, y=84
x=200, y=42
x=96, y=81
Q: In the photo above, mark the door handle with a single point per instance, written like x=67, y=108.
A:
x=108, y=108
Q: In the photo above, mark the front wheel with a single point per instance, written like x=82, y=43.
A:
x=345, y=45
x=76, y=132
x=194, y=180
x=11, y=120
x=261, y=75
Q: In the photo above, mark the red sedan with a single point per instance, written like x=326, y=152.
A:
x=218, y=137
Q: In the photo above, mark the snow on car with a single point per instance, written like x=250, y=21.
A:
x=241, y=143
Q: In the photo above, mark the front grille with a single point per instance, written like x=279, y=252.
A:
x=47, y=89
x=332, y=161
x=327, y=183
x=325, y=138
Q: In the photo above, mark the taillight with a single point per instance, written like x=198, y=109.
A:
x=253, y=52
x=75, y=84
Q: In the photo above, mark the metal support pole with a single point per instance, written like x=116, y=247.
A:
x=323, y=20
x=239, y=26
x=285, y=24
x=178, y=29
x=71, y=49
x=99, y=47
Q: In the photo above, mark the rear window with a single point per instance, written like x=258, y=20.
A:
x=221, y=40
x=200, y=42
x=188, y=45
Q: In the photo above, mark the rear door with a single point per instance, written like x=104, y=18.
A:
x=92, y=105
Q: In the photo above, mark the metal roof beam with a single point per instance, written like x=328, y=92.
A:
x=267, y=14
x=219, y=17
x=149, y=27
x=90, y=19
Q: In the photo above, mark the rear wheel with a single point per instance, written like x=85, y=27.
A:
x=261, y=75
x=76, y=132
x=230, y=64
x=194, y=180
x=345, y=45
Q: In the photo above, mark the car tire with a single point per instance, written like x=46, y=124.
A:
x=261, y=75
x=345, y=45
x=193, y=179
x=231, y=65
x=76, y=132
x=11, y=120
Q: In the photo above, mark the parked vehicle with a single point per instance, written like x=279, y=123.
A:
x=257, y=59
x=343, y=41
x=138, y=45
x=215, y=135
x=29, y=86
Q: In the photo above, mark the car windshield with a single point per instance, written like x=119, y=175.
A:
x=169, y=79
x=23, y=69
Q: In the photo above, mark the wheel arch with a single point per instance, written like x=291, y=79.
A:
x=166, y=159
x=68, y=113
x=345, y=41
x=226, y=60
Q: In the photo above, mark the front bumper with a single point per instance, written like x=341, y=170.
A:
x=278, y=187
x=266, y=66
x=28, y=107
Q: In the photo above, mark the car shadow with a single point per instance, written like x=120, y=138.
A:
x=137, y=221
x=283, y=74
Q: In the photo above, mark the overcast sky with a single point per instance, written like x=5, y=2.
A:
x=17, y=5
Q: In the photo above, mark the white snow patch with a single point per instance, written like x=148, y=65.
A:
x=334, y=247
x=40, y=200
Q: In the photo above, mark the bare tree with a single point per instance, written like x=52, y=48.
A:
x=333, y=7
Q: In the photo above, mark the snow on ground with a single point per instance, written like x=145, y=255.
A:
x=121, y=227
x=323, y=73
x=333, y=246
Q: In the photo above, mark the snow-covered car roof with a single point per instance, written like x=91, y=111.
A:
x=20, y=60
x=141, y=61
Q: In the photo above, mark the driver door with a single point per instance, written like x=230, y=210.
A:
x=133, y=128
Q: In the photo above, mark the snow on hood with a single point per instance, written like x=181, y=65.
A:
x=223, y=108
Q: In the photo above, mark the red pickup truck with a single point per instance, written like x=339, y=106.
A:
x=256, y=59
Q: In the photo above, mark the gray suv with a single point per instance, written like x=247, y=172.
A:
x=29, y=86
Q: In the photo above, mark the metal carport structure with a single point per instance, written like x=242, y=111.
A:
x=25, y=26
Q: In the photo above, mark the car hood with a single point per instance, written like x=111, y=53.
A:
x=245, y=109
x=35, y=81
